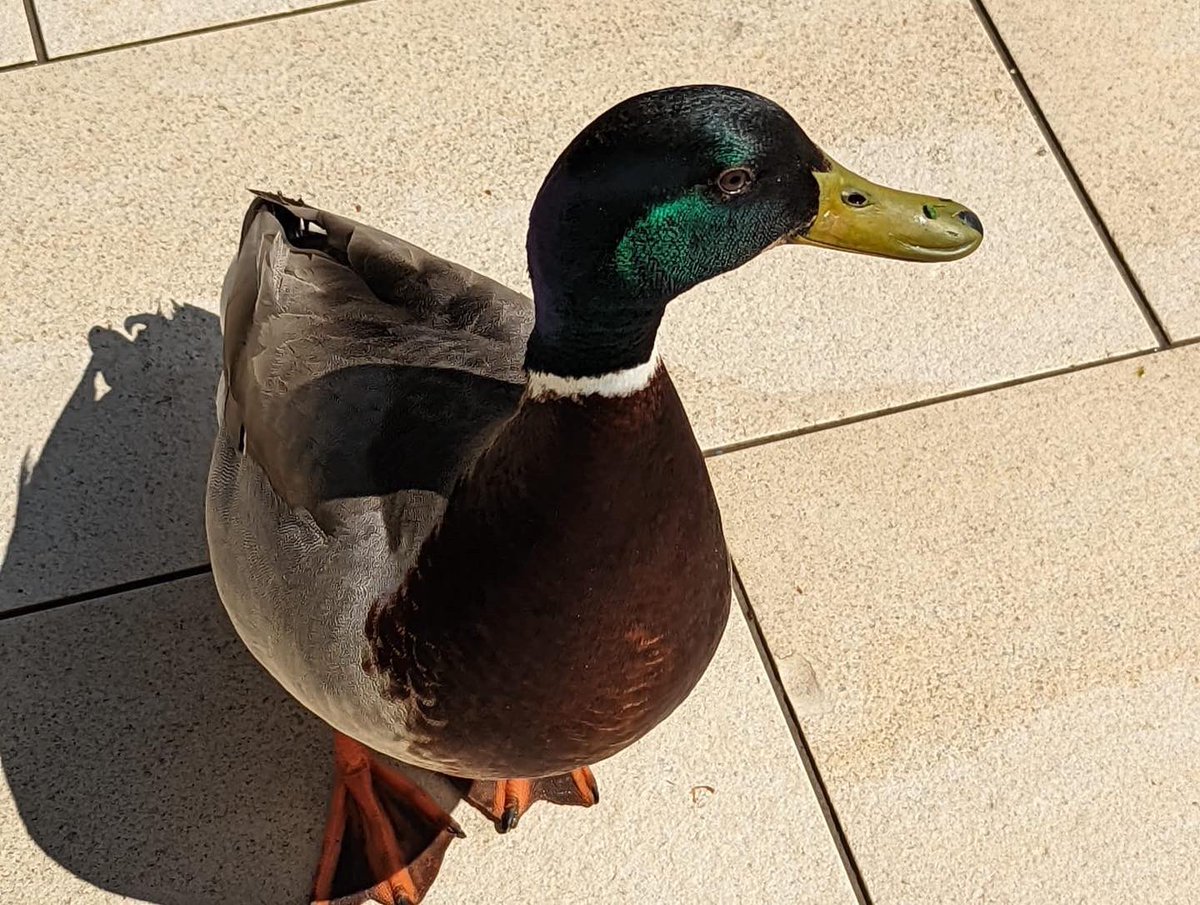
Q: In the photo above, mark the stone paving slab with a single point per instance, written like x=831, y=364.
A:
x=1117, y=82
x=76, y=26
x=16, y=45
x=984, y=612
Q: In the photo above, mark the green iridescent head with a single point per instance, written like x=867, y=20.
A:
x=674, y=187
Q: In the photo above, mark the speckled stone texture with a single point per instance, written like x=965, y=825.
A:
x=16, y=46
x=148, y=757
x=986, y=615
x=1117, y=82
x=124, y=190
x=73, y=26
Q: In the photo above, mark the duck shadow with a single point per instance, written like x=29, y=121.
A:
x=144, y=749
x=117, y=493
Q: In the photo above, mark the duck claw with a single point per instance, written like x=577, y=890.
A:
x=509, y=819
x=505, y=801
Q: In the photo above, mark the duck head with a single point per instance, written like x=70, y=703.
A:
x=671, y=188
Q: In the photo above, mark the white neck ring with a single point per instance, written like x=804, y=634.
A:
x=625, y=382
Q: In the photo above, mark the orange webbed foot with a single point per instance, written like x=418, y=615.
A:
x=506, y=800
x=385, y=837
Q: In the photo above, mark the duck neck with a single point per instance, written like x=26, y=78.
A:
x=593, y=335
x=591, y=318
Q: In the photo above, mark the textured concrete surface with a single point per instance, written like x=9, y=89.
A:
x=71, y=26
x=148, y=757
x=125, y=182
x=1117, y=82
x=16, y=46
x=985, y=613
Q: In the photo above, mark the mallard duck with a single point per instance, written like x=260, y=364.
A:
x=474, y=531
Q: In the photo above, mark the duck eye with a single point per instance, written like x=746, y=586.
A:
x=735, y=181
x=855, y=199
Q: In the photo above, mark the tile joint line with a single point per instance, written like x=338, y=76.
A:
x=1161, y=337
x=35, y=32
x=126, y=587
x=929, y=401
x=43, y=58
x=832, y=822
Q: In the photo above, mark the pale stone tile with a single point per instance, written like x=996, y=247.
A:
x=73, y=26
x=16, y=45
x=985, y=612
x=1117, y=82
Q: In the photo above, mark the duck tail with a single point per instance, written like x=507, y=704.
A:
x=304, y=226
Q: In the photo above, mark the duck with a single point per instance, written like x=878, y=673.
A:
x=471, y=530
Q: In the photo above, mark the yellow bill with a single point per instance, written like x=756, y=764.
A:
x=857, y=215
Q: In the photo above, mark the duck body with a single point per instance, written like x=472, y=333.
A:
x=454, y=571
x=474, y=531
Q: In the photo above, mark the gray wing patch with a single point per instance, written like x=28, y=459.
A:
x=360, y=365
